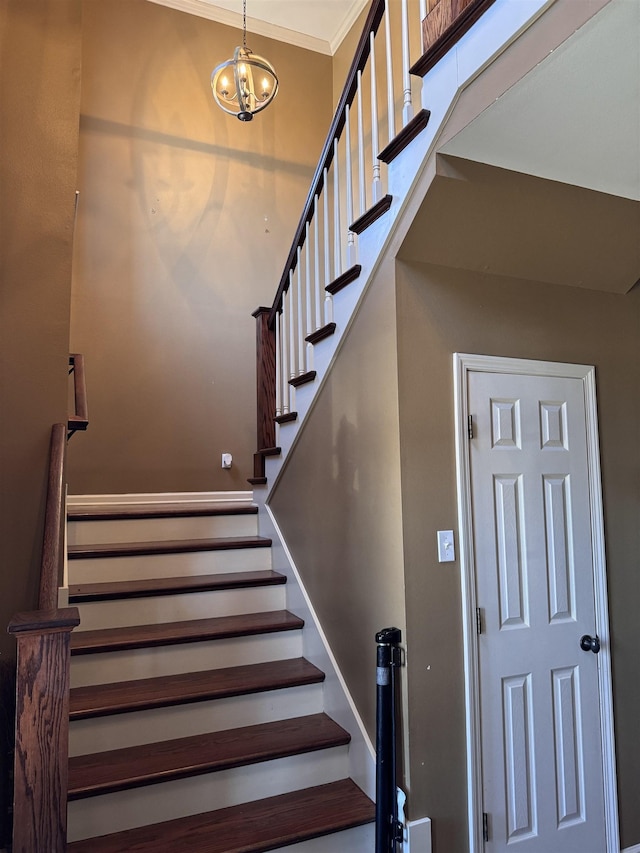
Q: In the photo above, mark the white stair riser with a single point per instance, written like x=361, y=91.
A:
x=149, y=566
x=108, y=667
x=122, y=730
x=361, y=839
x=177, y=608
x=161, y=529
x=167, y=800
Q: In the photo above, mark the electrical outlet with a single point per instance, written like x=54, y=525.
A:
x=227, y=460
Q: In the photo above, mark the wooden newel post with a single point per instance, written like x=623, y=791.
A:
x=266, y=379
x=42, y=729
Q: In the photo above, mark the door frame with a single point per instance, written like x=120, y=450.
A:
x=463, y=364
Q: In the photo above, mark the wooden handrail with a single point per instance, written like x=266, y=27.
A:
x=79, y=420
x=42, y=686
x=374, y=19
x=53, y=540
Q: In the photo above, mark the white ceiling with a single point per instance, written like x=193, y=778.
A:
x=576, y=117
x=318, y=25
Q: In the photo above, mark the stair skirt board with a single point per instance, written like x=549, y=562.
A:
x=187, y=657
x=146, y=805
x=160, y=529
x=149, y=566
x=118, y=731
x=175, y=608
x=316, y=649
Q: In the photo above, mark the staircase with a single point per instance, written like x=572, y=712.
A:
x=195, y=722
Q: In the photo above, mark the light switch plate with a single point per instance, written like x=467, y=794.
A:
x=446, y=546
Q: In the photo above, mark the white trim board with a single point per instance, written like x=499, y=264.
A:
x=463, y=363
x=338, y=702
x=418, y=836
x=159, y=498
x=634, y=849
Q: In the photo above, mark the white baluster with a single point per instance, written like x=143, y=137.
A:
x=351, y=248
x=361, y=178
x=286, y=388
x=407, y=107
x=376, y=191
x=316, y=265
x=308, y=299
x=291, y=364
x=391, y=108
x=300, y=323
x=307, y=281
x=337, y=241
x=278, y=365
x=328, y=299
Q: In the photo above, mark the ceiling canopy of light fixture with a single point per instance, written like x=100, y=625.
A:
x=247, y=83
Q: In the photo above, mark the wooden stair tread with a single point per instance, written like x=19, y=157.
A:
x=170, y=586
x=130, y=767
x=120, y=697
x=163, y=510
x=190, y=631
x=171, y=546
x=247, y=828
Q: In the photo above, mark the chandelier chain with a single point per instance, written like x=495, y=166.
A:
x=244, y=23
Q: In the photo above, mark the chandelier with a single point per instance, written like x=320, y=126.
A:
x=246, y=84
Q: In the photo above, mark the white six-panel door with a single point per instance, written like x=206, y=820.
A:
x=531, y=547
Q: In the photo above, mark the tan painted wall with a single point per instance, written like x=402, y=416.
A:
x=186, y=217
x=441, y=311
x=39, y=103
x=343, y=56
x=338, y=500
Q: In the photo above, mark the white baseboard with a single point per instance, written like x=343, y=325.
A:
x=634, y=849
x=338, y=702
x=159, y=498
x=418, y=836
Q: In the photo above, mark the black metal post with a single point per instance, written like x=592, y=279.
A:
x=388, y=659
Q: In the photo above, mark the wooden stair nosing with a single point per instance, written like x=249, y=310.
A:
x=303, y=379
x=170, y=546
x=402, y=139
x=286, y=418
x=256, y=826
x=370, y=216
x=344, y=279
x=186, y=688
x=132, y=767
x=167, y=510
x=321, y=333
x=176, y=633
x=117, y=590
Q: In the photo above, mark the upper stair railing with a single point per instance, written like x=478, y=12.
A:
x=348, y=192
x=375, y=119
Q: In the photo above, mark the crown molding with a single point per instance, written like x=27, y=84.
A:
x=263, y=28
x=347, y=23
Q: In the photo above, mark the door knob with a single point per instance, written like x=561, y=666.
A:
x=590, y=644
